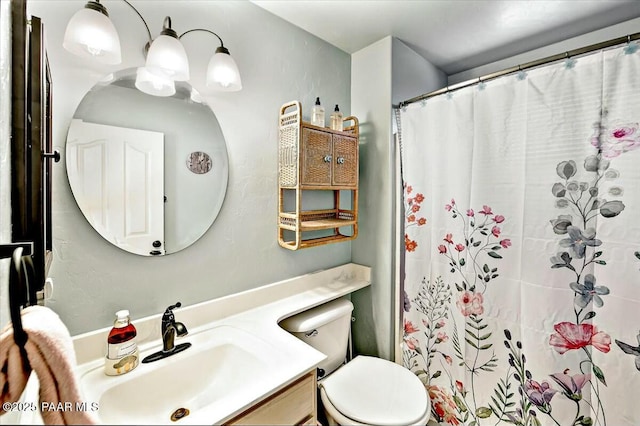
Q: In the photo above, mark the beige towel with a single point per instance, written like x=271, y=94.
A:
x=51, y=355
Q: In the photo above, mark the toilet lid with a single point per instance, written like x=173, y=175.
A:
x=376, y=391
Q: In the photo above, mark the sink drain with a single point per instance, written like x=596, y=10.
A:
x=179, y=413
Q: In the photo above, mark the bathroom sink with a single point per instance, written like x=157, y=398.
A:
x=222, y=364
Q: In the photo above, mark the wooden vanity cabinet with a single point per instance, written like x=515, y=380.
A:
x=313, y=158
x=294, y=405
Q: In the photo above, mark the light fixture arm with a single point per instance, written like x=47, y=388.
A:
x=143, y=21
x=206, y=31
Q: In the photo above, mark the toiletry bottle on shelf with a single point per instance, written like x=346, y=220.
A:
x=122, y=349
x=317, y=114
x=336, y=119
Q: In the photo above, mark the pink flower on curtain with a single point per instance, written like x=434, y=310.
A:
x=506, y=243
x=411, y=218
x=486, y=210
x=495, y=231
x=616, y=139
x=571, y=385
x=470, y=303
x=570, y=336
x=448, y=207
x=460, y=247
x=539, y=394
x=449, y=238
x=498, y=218
x=443, y=405
x=470, y=213
x=419, y=198
x=409, y=327
x=412, y=343
x=442, y=248
x=422, y=221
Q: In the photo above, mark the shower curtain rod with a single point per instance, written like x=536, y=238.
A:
x=521, y=67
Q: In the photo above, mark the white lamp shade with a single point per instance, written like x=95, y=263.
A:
x=153, y=84
x=223, y=74
x=89, y=33
x=167, y=57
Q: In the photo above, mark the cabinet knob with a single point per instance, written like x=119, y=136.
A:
x=340, y=160
x=327, y=158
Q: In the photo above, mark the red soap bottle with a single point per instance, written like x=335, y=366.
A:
x=122, y=349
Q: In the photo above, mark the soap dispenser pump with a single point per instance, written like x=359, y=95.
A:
x=336, y=119
x=317, y=114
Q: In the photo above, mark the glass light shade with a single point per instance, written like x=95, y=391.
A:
x=153, y=84
x=222, y=73
x=167, y=57
x=91, y=34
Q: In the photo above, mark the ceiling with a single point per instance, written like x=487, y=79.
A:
x=454, y=35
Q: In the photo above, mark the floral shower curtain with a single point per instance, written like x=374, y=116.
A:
x=522, y=246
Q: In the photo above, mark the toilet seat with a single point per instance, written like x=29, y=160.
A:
x=375, y=391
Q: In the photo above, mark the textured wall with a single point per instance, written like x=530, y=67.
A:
x=278, y=63
x=383, y=73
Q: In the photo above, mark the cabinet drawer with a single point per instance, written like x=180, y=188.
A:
x=296, y=404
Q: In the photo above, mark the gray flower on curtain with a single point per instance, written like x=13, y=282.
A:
x=579, y=240
x=588, y=291
x=561, y=224
x=631, y=350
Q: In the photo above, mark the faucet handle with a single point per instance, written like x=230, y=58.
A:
x=168, y=313
x=172, y=307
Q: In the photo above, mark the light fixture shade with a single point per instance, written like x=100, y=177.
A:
x=91, y=34
x=153, y=84
x=222, y=72
x=167, y=57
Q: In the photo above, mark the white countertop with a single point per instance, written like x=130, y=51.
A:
x=256, y=311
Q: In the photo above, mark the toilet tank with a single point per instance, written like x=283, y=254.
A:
x=325, y=328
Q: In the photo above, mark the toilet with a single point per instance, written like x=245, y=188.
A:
x=365, y=390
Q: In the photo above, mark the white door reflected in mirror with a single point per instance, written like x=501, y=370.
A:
x=191, y=194
x=118, y=177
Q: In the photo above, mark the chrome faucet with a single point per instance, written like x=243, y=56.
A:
x=170, y=329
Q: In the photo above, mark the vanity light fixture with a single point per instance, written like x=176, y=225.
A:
x=222, y=71
x=153, y=84
x=166, y=55
x=90, y=33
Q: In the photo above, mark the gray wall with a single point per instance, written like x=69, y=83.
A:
x=383, y=73
x=278, y=63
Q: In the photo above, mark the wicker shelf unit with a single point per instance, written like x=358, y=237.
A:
x=313, y=158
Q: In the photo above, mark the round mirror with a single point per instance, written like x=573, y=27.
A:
x=148, y=172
